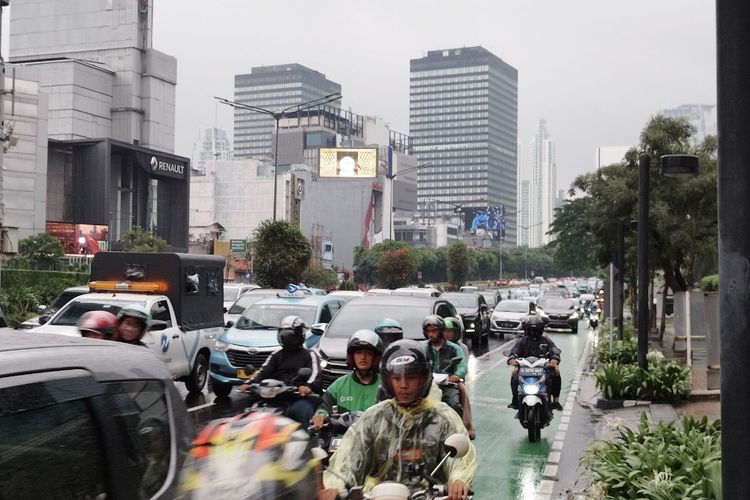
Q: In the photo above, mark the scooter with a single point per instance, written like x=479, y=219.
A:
x=593, y=315
x=329, y=436
x=456, y=446
x=274, y=396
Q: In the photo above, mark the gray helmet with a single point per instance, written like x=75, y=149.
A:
x=291, y=332
x=364, y=339
x=406, y=356
x=433, y=320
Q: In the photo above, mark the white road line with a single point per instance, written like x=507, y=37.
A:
x=474, y=377
x=196, y=408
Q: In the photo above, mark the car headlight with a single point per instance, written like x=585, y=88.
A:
x=323, y=363
x=574, y=315
x=220, y=346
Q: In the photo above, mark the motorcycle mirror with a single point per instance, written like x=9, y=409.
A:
x=249, y=369
x=506, y=353
x=544, y=347
x=319, y=453
x=457, y=445
x=390, y=491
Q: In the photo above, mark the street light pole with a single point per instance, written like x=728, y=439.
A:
x=644, y=167
x=277, y=116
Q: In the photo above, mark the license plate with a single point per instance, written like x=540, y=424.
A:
x=335, y=443
x=241, y=374
x=531, y=372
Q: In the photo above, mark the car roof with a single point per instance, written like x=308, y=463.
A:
x=47, y=352
x=389, y=300
x=306, y=300
x=82, y=288
x=109, y=296
x=347, y=293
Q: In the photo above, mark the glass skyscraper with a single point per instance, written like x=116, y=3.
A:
x=463, y=117
x=273, y=88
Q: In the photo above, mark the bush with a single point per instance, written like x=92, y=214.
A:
x=658, y=462
x=623, y=352
x=22, y=291
x=662, y=382
x=318, y=276
x=710, y=283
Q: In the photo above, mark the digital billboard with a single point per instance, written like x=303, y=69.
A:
x=79, y=238
x=488, y=221
x=341, y=162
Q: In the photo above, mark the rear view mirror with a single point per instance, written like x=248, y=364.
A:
x=318, y=328
x=507, y=353
x=43, y=319
x=230, y=324
x=157, y=325
x=457, y=445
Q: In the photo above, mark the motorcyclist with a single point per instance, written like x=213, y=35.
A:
x=355, y=391
x=97, y=325
x=535, y=343
x=441, y=352
x=454, y=333
x=132, y=324
x=400, y=432
x=284, y=365
x=389, y=330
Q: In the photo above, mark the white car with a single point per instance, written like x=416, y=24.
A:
x=233, y=291
x=507, y=317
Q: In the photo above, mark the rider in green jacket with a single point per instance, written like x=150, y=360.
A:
x=355, y=391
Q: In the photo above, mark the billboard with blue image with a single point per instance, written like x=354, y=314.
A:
x=488, y=221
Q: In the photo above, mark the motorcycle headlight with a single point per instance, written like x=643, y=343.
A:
x=220, y=346
x=471, y=325
x=531, y=389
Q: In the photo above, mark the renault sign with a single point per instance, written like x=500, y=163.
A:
x=161, y=165
x=340, y=162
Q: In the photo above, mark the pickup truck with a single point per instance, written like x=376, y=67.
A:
x=183, y=294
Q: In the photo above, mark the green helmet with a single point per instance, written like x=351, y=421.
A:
x=389, y=330
x=454, y=324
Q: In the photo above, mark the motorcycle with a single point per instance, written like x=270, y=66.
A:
x=329, y=436
x=534, y=411
x=456, y=446
x=593, y=316
x=274, y=396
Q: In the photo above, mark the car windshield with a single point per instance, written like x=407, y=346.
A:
x=63, y=299
x=355, y=317
x=461, y=299
x=270, y=315
x=557, y=304
x=512, y=306
x=230, y=293
x=70, y=315
x=245, y=301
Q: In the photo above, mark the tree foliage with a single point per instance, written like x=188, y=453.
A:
x=282, y=253
x=43, y=251
x=458, y=263
x=395, y=264
x=318, y=276
x=682, y=216
x=140, y=240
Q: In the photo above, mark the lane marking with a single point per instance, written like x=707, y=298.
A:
x=476, y=376
x=200, y=407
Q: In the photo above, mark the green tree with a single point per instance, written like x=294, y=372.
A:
x=458, y=263
x=43, y=251
x=140, y=240
x=318, y=276
x=575, y=251
x=395, y=265
x=282, y=253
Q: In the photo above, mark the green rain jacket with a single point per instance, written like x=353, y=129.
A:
x=349, y=394
x=441, y=358
x=381, y=444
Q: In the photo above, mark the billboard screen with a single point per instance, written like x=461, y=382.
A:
x=79, y=238
x=486, y=221
x=340, y=162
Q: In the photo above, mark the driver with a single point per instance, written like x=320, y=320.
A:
x=97, y=325
x=406, y=430
x=284, y=365
x=535, y=343
x=355, y=391
x=132, y=324
x=441, y=352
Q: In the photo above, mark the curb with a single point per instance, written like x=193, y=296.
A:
x=611, y=404
x=705, y=395
x=549, y=475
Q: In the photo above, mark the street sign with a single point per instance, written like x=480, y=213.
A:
x=238, y=246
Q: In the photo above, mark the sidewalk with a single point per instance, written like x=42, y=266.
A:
x=588, y=423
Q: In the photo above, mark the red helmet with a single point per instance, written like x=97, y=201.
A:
x=99, y=324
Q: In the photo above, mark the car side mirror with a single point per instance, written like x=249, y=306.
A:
x=230, y=324
x=43, y=319
x=41, y=308
x=226, y=310
x=157, y=325
x=318, y=328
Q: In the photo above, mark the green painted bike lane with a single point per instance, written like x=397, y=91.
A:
x=509, y=466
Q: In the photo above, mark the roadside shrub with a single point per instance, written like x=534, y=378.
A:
x=658, y=461
x=710, y=283
x=623, y=352
x=23, y=290
x=662, y=382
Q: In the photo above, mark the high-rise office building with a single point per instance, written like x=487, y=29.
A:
x=543, y=186
x=212, y=144
x=700, y=116
x=463, y=115
x=274, y=88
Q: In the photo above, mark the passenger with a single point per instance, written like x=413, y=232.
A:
x=441, y=352
x=383, y=443
x=132, y=324
x=454, y=333
x=284, y=364
x=355, y=391
x=98, y=325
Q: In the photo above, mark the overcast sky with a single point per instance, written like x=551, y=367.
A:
x=594, y=69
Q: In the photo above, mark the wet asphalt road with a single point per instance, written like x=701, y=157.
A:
x=509, y=466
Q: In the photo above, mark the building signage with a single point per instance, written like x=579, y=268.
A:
x=341, y=162
x=162, y=166
x=237, y=246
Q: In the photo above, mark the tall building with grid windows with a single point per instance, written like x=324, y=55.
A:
x=463, y=117
x=274, y=88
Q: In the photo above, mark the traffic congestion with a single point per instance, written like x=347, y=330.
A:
x=288, y=393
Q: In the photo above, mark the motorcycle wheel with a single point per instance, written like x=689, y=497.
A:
x=534, y=432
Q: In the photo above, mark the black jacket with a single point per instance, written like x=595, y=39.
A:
x=285, y=363
x=528, y=346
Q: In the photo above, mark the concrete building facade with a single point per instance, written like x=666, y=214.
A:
x=543, y=186
x=463, y=116
x=213, y=144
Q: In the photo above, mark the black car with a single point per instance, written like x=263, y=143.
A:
x=364, y=313
x=560, y=312
x=87, y=418
x=474, y=312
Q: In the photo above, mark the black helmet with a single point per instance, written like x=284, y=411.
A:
x=291, y=332
x=533, y=326
x=433, y=320
x=406, y=356
x=389, y=330
x=364, y=339
x=454, y=324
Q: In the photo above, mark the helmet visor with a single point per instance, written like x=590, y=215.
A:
x=390, y=334
x=408, y=383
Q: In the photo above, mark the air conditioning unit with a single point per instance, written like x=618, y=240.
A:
x=9, y=239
